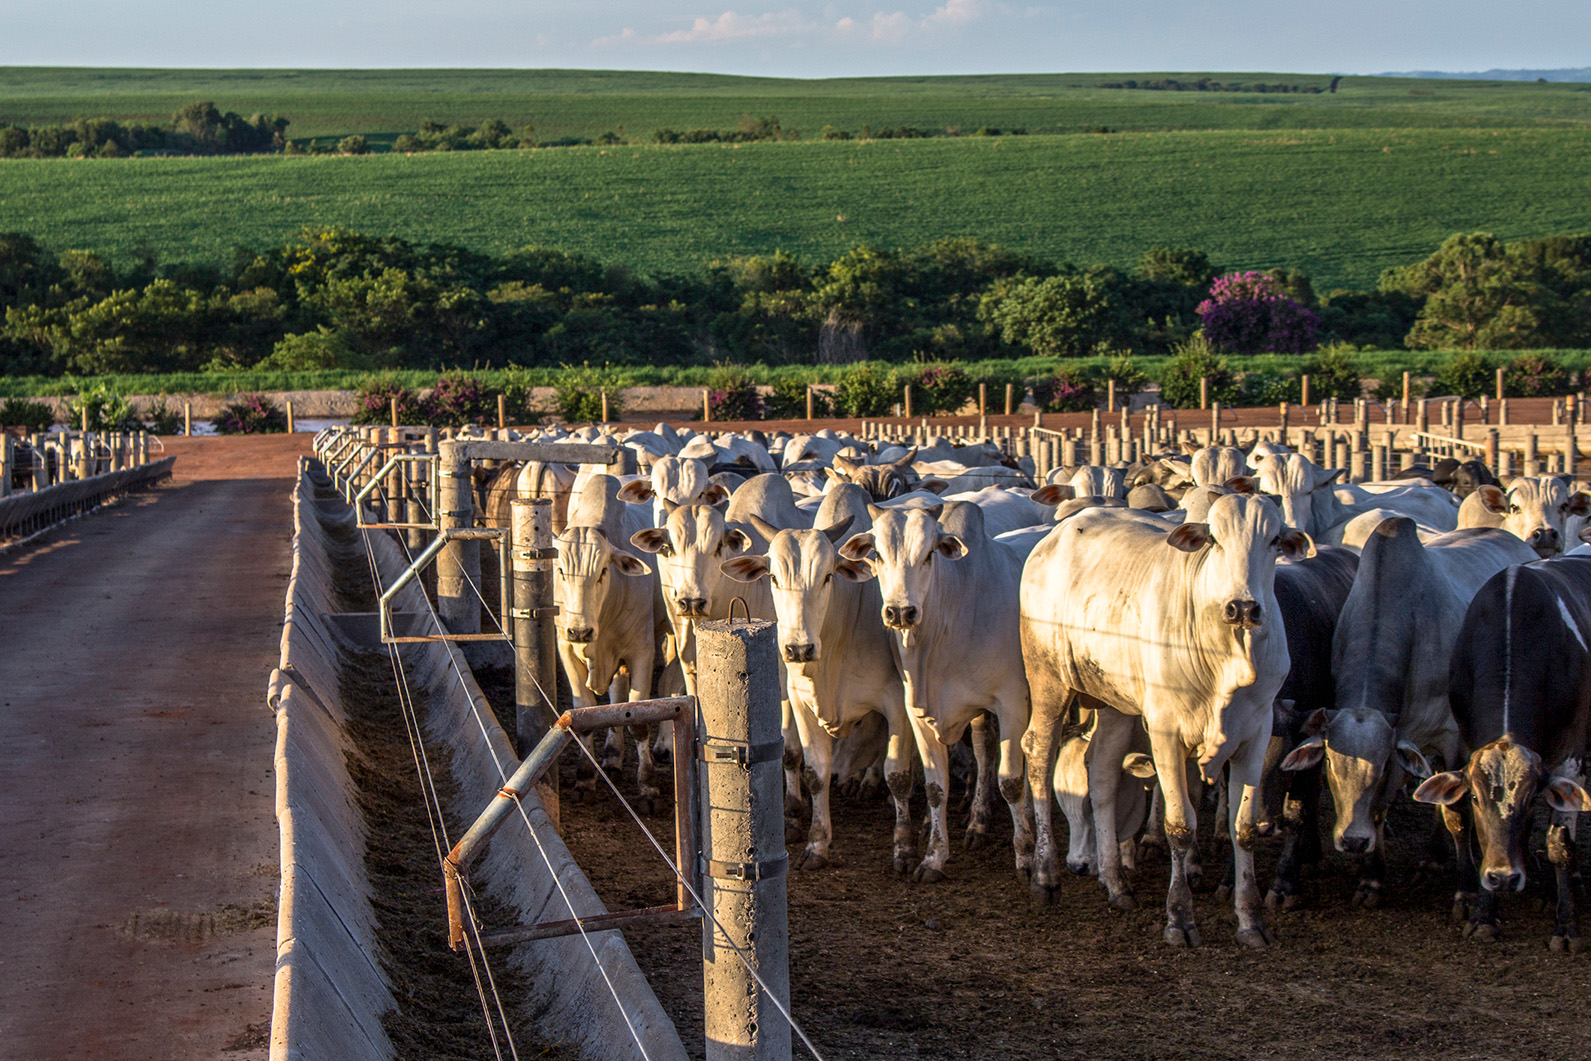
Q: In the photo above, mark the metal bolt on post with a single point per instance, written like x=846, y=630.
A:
x=743, y=853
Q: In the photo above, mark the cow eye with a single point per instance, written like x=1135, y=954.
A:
x=602, y=574
x=1513, y=508
x=928, y=559
x=1276, y=542
x=827, y=579
x=773, y=580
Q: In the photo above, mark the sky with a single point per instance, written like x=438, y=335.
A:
x=805, y=38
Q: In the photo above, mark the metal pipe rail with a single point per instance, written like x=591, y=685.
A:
x=376, y=480
x=581, y=720
x=500, y=534
x=23, y=515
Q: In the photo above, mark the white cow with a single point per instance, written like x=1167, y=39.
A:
x=835, y=651
x=949, y=594
x=1181, y=627
x=610, y=615
x=1311, y=503
x=1535, y=509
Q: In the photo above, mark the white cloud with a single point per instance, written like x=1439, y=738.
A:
x=891, y=28
x=954, y=13
x=881, y=27
x=732, y=25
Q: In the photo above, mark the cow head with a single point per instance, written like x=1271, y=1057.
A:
x=1217, y=464
x=587, y=564
x=679, y=481
x=1239, y=543
x=1462, y=477
x=1534, y=509
x=693, y=541
x=902, y=549
x=1366, y=763
x=1502, y=779
x=800, y=568
x=881, y=481
x=1296, y=482
x=1093, y=481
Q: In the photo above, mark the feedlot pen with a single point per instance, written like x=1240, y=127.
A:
x=972, y=968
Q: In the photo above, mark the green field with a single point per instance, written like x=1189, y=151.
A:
x=1341, y=205
x=560, y=103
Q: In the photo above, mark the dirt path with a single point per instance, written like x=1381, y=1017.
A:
x=138, y=898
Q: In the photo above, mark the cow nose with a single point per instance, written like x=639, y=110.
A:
x=579, y=635
x=693, y=606
x=800, y=653
x=1543, y=540
x=900, y=616
x=1504, y=880
x=1356, y=845
x=1242, y=613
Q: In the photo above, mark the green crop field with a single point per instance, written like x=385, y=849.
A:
x=1342, y=205
x=561, y=103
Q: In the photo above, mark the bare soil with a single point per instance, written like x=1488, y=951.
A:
x=971, y=968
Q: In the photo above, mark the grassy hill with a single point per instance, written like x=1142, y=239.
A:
x=1340, y=185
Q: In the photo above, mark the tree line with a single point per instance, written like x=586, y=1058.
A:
x=334, y=299
x=197, y=129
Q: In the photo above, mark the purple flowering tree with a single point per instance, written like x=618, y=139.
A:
x=1248, y=313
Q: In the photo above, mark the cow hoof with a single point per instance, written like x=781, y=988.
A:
x=1043, y=894
x=811, y=860
x=870, y=791
x=1430, y=872
x=1080, y=869
x=1146, y=849
x=1293, y=902
x=1482, y=932
x=1180, y=936
x=645, y=805
x=903, y=865
x=1463, y=905
x=1257, y=937
x=1367, y=897
x=1565, y=945
x=793, y=832
x=1223, y=893
x=927, y=874
x=975, y=839
x=1124, y=901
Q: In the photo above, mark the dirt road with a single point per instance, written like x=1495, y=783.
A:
x=138, y=898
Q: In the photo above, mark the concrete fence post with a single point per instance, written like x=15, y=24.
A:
x=1532, y=462
x=1204, y=392
x=7, y=463
x=1569, y=454
x=41, y=469
x=1010, y=393
x=1378, y=463
x=458, y=565
x=1215, y=422
x=291, y=425
x=535, y=646
x=1422, y=418
x=1491, y=449
x=743, y=852
x=1500, y=394
x=906, y=399
x=187, y=419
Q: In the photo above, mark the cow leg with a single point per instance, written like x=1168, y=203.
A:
x=1372, y=872
x=817, y=749
x=1113, y=735
x=639, y=673
x=1171, y=764
x=613, y=747
x=1457, y=820
x=578, y=673
x=1300, y=836
x=1039, y=745
x=1223, y=809
x=796, y=805
x=1245, y=771
x=983, y=785
x=1154, y=838
x=1012, y=716
x=1561, y=853
x=936, y=775
x=898, y=776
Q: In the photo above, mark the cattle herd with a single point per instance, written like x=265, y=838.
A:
x=1117, y=638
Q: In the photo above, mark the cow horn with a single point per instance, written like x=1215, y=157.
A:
x=906, y=461
x=764, y=528
x=836, y=532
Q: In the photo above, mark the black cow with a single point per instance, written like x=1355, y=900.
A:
x=1520, y=685
x=1462, y=477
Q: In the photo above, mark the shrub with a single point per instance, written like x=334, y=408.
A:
x=1248, y=313
x=29, y=415
x=938, y=389
x=1335, y=374
x=107, y=411
x=865, y=391
x=162, y=417
x=789, y=401
x=1269, y=384
x=519, y=395
x=251, y=414
x=375, y=395
x=1191, y=361
x=324, y=348
x=732, y=394
x=578, y=395
x=1468, y=374
x=1390, y=388
x=1130, y=379
x=1535, y=376
x=1066, y=390
x=353, y=145
x=457, y=399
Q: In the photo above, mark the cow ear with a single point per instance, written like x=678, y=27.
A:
x=1053, y=494
x=1445, y=789
x=835, y=474
x=854, y=571
x=737, y=539
x=951, y=547
x=1316, y=722
x=1564, y=795
x=1579, y=503
x=1411, y=760
x=650, y=540
x=1190, y=537
x=858, y=547
x=933, y=486
x=1190, y=447
x=1295, y=544
x=842, y=468
x=745, y=568
x=1242, y=484
x=1493, y=500
x=1307, y=754
x=636, y=492
x=934, y=511
x=630, y=565
x=713, y=494
x=1138, y=765
x=1327, y=476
